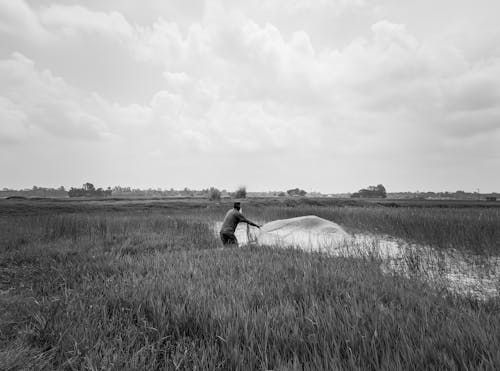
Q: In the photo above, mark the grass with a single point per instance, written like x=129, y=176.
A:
x=466, y=229
x=470, y=226
x=154, y=290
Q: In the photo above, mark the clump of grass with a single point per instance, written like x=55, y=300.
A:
x=144, y=231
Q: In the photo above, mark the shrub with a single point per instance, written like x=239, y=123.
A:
x=241, y=192
x=296, y=192
x=371, y=192
x=214, y=194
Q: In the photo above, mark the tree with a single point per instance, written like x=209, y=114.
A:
x=88, y=190
x=76, y=192
x=371, y=192
x=241, y=192
x=186, y=192
x=296, y=192
x=214, y=194
x=88, y=187
x=381, y=191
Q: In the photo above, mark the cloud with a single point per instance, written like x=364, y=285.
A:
x=386, y=73
x=231, y=84
x=46, y=101
x=477, y=89
x=20, y=20
x=13, y=127
x=67, y=19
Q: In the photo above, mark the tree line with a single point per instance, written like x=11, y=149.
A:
x=377, y=191
x=88, y=190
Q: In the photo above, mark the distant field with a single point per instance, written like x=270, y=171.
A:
x=145, y=284
x=40, y=205
x=464, y=225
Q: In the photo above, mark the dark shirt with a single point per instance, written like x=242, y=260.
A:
x=231, y=220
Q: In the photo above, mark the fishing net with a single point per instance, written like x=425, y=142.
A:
x=306, y=232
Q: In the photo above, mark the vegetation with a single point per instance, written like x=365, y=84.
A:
x=241, y=192
x=296, y=192
x=214, y=194
x=88, y=190
x=35, y=191
x=371, y=192
x=129, y=192
x=146, y=286
x=470, y=229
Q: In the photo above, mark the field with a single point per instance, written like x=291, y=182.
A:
x=145, y=284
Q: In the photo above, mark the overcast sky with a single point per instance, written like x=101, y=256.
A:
x=326, y=95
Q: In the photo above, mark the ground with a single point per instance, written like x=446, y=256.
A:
x=145, y=284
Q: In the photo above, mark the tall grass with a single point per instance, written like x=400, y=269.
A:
x=465, y=226
x=149, y=291
x=468, y=229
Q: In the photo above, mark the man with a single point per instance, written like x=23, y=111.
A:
x=231, y=220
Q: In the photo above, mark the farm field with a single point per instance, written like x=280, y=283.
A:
x=145, y=284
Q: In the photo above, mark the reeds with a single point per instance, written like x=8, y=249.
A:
x=149, y=291
x=474, y=230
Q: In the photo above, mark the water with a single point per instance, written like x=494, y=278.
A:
x=461, y=273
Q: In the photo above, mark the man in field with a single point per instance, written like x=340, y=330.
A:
x=231, y=220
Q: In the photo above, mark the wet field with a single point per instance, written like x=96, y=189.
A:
x=464, y=273
x=105, y=285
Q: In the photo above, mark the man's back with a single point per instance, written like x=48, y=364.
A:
x=231, y=220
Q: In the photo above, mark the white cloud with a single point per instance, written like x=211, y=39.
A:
x=13, y=127
x=67, y=20
x=19, y=20
x=46, y=101
x=231, y=85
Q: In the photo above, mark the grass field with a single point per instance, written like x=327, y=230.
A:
x=145, y=285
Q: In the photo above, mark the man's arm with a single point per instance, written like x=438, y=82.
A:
x=245, y=220
x=252, y=223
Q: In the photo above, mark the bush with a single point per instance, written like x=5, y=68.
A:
x=214, y=194
x=296, y=192
x=371, y=192
x=241, y=192
x=88, y=190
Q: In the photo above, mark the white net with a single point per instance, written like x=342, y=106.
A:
x=306, y=232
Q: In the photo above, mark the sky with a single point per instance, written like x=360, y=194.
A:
x=325, y=95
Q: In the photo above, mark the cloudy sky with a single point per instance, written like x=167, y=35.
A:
x=327, y=95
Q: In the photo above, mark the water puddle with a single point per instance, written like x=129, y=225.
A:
x=462, y=273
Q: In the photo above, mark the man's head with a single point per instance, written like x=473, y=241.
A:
x=237, y=205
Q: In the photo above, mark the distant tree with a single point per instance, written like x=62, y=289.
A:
x=186, y=192
x=76, y=192
x=108, y=192
x=214, y=194
x=281, y=194
x=381, y=191
x=371, y=192
x=88, y=187
x=296, y=192
x=88, y=190
x=241, y=192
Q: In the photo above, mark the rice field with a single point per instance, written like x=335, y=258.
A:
x=146, y=285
